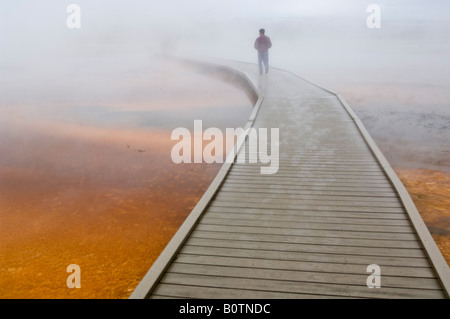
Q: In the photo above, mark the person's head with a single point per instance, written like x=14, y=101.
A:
x=262, y=31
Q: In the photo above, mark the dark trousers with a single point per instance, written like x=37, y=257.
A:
x=263, y=58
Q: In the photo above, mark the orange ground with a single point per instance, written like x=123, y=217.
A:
x=91, y=199
x=430, y=191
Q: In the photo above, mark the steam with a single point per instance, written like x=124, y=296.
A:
x=401, y=68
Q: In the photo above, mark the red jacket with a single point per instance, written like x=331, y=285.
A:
x=263, y=43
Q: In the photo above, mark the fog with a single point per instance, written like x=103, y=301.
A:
x=307, y=34
x=395, y=77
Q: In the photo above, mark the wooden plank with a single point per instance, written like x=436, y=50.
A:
x=290, y=161
x=335, y=276
x=306, y=189
x=323, y=153
x=357, y=190
x=302, y=236
x=364, y=200
x=309, y=219
x=318, y=150
x=250, y=193
x=269, y=189
x=292, y=286
x=296, y=200
x=308, y=232
x=184, y=291
x=303, y=206
x=284, y=202
x=287, y=161
x=336, y=174
x=332, y=154
x=307, y=257
x=341, y=168
x=329, y=180
x=313, y=164
x=305, y=266
x=309, y=186
x=344, y=183
x=307, y=248
x=333, y=214
x=308, y=176
x=207, y=220
x=306, y=240
x=285, y=171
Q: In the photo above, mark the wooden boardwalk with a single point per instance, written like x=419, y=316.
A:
x=334, y=207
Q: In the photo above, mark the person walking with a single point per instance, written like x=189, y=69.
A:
x=263, y=44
